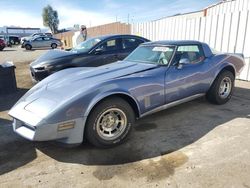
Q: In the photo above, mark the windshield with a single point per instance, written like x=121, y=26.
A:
x=152, y=54
x=86, y=45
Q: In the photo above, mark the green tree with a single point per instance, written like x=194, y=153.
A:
x=50, y=18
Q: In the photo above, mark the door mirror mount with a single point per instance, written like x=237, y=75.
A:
x=183, y=62
x=98, y=51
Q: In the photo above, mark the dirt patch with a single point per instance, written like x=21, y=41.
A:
x=23, y=75
x=152, y=169
x=24, y=83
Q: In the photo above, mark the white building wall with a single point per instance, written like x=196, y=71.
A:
x=224, y=26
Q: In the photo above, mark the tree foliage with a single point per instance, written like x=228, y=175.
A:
x=50, y=18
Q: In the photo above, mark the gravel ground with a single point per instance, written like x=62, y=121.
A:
x=196, y=144
x=18, y=54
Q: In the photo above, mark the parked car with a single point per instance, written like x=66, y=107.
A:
x=2, y=44
x=14, y=40
x=91, y=53
x=35, y=35
x=102, y=103
x=41, y=42
x=6, y=40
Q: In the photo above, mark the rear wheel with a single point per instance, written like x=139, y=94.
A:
x=28, y=47
x=222, y=88
x=110, y=122
x=53, y=46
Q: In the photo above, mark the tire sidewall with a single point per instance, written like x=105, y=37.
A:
x=218, y=82
x=53, y=46
x=92, y=124
x=28, y=47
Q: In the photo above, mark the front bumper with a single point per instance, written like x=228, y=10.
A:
x=48, y=132
x=38, y=75
x=22, y=44
x=36, y=126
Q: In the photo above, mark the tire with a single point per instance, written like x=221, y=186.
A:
x=109, y=111
x=1, y=49
x=222, y=89
x=28, y=47
x=53, y=46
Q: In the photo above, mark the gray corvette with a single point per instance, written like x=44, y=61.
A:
x=102, y=103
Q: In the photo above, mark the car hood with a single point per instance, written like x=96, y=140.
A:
x=50, y=55
x=74, y=81
x=64, y=87
x=92, y=76
x=26, y=38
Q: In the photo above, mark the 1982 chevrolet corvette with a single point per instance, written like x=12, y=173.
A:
x=102, y=103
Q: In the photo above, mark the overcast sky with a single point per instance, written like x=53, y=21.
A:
x=27, y=13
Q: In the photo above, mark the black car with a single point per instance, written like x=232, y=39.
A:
x=93, y=52
x=14, y=40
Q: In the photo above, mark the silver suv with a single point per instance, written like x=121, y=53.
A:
x=42, y=42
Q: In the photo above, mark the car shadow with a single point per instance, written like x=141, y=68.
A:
x=14, y=150
x=8, y=100
x=156, y=135
x=41, y=49
x=8, y=50
x=160, y=133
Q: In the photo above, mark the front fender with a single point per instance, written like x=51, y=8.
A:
x=106, y=94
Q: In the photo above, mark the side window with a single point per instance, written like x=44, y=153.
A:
x=39, y=39
x=110, y=45
x=191, y=52
x=46, y=38
x=131, y=43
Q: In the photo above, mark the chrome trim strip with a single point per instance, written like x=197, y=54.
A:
x=175, y=103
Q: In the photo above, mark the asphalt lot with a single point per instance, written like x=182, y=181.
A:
x=196, y=144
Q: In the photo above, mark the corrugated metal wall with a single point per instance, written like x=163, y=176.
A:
x=225, y=27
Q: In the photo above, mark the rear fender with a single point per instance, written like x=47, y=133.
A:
x=222, y=67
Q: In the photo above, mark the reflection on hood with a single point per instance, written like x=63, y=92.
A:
x=50, y=55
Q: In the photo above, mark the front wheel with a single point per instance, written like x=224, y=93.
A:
x=54, y=46
x=110, y=122
x=222, y=89
x=28, y=47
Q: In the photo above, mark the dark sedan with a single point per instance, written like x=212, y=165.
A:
x=93, y=52
x=14, y=40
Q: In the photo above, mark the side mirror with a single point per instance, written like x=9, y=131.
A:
x=98, y=51
x=183, y=62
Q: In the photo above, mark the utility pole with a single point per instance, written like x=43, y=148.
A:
x=128, y=18
x=132, y=19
